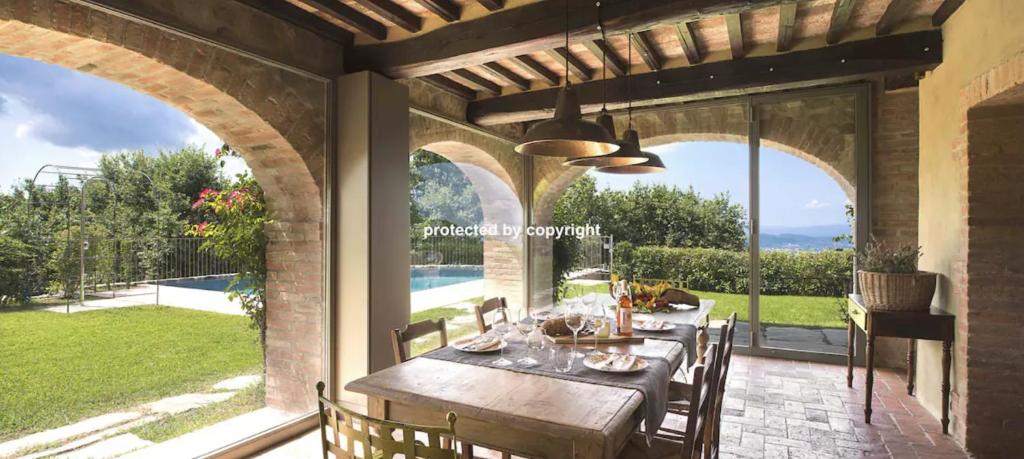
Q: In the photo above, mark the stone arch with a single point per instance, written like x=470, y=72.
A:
x=490, y=166
x=986, y=279
x=275, y=118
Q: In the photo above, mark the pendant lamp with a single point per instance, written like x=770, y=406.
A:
x=627, y=155
x=567, y=135
x=631, y=140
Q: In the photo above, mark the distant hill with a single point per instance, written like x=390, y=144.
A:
x=817, y=237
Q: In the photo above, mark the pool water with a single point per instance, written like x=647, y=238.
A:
x=428, y=277
x=213, y=284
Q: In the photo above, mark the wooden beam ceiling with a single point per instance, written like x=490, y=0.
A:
x=945, y=10
x=350, y=17
x=393, y=12
x=843, y=62
x=735, y=29
x=531, y=66
x=504, y=74
x=577, y=67
x=445, y=9
x=301, y=18
x=529, y=28
x=600, y=49
x=492, y=5
x=647, y=50
x=472, y=80
x=787, y=21
x=841, y=13
x=688, y=40
x=449, y=86
x=896, y=12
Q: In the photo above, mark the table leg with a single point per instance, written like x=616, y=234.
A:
x=869, y=377
x=850, y=336
x=947, y=357
x=911, y=369
x=702, y=343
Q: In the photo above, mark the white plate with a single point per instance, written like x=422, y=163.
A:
x=638, y=365
x=642, y=325
x=463, y=343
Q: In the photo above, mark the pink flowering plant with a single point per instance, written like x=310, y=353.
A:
x=232, y=228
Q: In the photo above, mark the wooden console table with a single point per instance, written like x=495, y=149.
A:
x=934, y=325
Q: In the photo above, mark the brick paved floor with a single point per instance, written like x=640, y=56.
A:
x=789, y=409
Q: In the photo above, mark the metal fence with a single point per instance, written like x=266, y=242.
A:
x=447, y=251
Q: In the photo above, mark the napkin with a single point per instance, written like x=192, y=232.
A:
x=480, y=343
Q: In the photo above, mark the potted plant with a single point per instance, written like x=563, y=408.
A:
x=890, y=281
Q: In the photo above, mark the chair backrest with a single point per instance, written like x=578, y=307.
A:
x=725, y=339
x=702, y=399
x=482, y=310
x=401, y=338
x=375, y=436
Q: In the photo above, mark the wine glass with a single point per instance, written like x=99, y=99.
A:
x=576, y=316
x=530, y=331
x=598, y=315
x=500, y=327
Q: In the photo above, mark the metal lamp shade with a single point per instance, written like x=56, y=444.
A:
x=629, y=153
x=567, y=135
x=652, y=163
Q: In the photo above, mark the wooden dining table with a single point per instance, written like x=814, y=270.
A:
x=527, y=414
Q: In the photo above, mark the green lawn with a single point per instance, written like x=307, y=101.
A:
x=455, y=331
x=245, y=401
x=56, y=369
x=808, y=311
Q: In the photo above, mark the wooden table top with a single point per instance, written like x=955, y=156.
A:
x=533, y=402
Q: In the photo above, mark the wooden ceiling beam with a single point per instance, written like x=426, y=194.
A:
x=529, y=28
x=394, y=12
x=734, y=27
x=841, y=12
x=688, y=40
x=944, y=11
x=445, y=9
x=647, y=49
x=848, y=61
x=447, y=85
x=787, y=21
x=893, y=15
x=537, y=69
x=350, y=17
x=504, y=74
x=566, y=58
x=601, y=50
x=474, y=81
x=492, y=5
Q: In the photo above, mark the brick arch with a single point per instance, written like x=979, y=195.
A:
x=273, y=117
x=986, y=279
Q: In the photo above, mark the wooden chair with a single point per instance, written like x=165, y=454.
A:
x=679, y=393
x=377, y=438
x=690, y=443
x=400, y=338
x=482, y=310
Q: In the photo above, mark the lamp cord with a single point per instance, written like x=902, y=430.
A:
x=629, y=79
x=604, y=60
x=566, y=43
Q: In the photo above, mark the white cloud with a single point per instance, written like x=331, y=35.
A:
x=816, y=204
x=23, y=130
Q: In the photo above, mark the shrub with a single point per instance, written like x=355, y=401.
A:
x=824, y=273
x=881, y=258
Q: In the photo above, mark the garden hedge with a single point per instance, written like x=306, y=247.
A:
x=822, y=273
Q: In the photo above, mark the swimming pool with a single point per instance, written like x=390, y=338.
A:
x=428, y=277
x=213, y=284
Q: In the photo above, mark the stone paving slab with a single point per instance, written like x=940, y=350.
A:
x=109, y=448
x=62, y=434
x=238, y=382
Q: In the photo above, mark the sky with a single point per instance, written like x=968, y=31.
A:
x=52, y=115
x=794, y=192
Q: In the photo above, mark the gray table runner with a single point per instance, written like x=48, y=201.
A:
x=652, y=382
x=683, y=334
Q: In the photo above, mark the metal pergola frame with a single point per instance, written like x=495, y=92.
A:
x=84, y=176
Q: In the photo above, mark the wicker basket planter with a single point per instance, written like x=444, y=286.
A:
x=897, y=292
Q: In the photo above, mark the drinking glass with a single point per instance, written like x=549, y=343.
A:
x=598, y=315
x=576, y=316
x=500, y=327
x=562, y=358
x=531, y=332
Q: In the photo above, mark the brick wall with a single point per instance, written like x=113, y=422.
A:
x=273, y=116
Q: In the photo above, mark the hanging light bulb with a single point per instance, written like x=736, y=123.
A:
x=627, y=155
x=631, y=139
x=567, y=135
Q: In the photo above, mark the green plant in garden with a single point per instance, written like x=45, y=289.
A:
x=234, y=230
x=879, y=257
